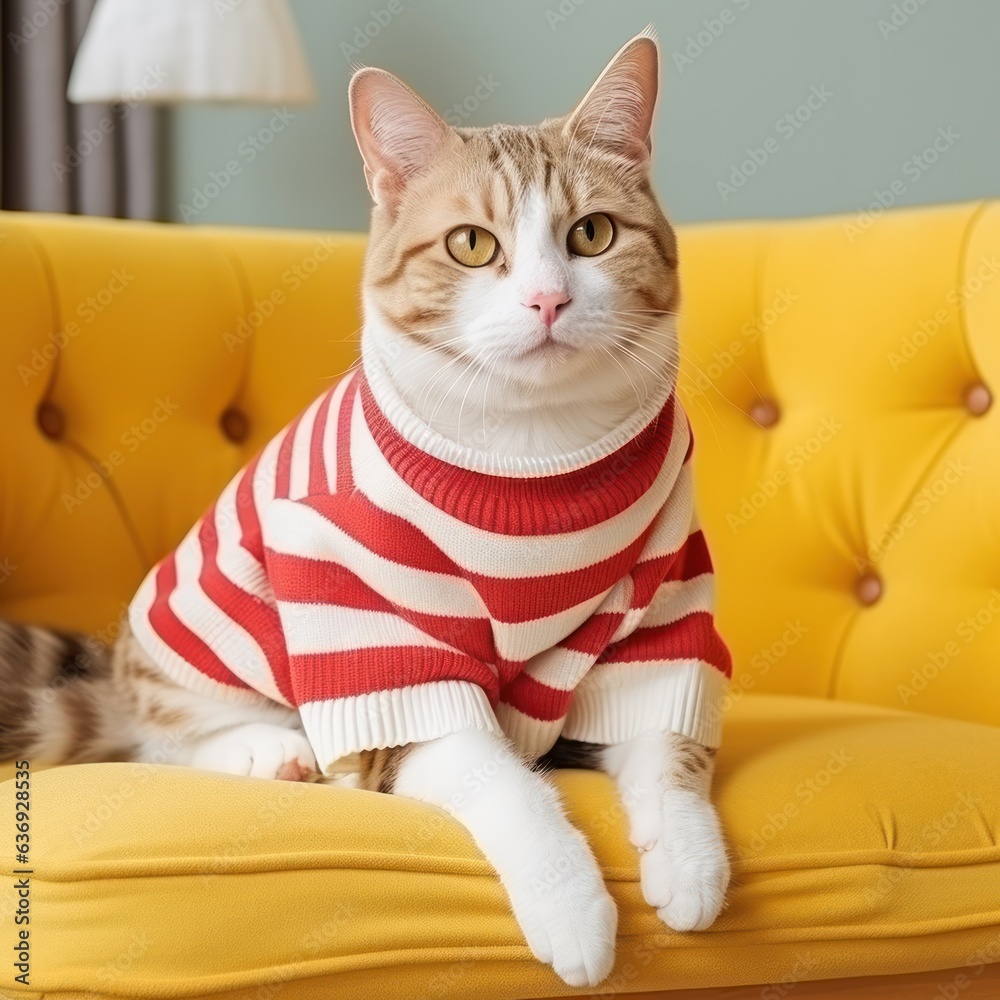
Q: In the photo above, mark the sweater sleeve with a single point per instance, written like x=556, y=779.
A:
x=382, y=634
x=205, y=614
x=666, y=668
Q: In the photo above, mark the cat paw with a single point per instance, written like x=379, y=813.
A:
x=685, y=872
x=568, y=918
x=258, y=751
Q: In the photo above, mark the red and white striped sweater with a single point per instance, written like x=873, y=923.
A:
x=395, y=587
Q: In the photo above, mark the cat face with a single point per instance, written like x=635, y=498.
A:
x=535, y=254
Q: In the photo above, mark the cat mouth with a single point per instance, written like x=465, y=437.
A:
x=547, y=348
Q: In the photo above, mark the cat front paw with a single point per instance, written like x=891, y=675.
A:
x=684, y=872
x=258, y=750
x=568, y=918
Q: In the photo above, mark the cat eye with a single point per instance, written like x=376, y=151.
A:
x=472, y=246
x=591, y=235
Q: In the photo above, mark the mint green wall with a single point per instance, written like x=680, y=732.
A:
x=886, y=80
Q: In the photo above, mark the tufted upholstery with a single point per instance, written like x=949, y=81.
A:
x=848, y=473
x=855, y=534
x=142, y=366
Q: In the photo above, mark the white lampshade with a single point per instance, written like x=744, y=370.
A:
x=191, y=50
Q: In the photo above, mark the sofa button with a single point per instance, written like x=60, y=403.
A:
x=978, y=399
x=868, y=588
x=51, y=421
x=764, y=412
x=235, y=425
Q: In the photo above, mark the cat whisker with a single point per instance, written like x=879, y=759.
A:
x=464, y=355
x=486, y=396
x=685, y=346
x=622, y=330
x=470, y=369
x=611, y=355
x=713, y=416
x=480, y=370
x=669, y=360
x=642, y=364
x=644, y=312
x=740, y=367
x=438, y=376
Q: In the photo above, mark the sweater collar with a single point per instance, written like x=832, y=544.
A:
x=562, y=493
x=413, y=429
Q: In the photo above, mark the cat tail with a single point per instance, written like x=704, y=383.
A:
x=58, y=703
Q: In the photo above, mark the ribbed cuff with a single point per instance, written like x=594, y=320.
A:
x=615, y=704
x=533, y=737
x=342, y=727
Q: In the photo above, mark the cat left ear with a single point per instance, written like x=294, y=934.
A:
x=617, y=112
x=397, y=133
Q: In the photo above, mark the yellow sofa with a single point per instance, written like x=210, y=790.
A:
x=839, y=377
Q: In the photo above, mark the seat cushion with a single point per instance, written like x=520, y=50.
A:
x=864, y=841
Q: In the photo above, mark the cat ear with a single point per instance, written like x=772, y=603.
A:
x=617, y=112
x=397, y=133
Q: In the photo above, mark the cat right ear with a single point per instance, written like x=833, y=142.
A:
x=617, y=112
x=398, y=134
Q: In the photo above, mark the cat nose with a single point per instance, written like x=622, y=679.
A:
x=548, y=305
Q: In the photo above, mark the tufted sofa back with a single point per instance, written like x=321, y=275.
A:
x=839, y=374
x=140, y=367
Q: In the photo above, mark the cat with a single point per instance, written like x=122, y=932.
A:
x=514, y=419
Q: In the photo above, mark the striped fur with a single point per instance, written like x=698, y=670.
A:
x=403, y=258
x=414, y=286
x=379, y=770
x=64, y=699
x=57, y=698
x=689, y=764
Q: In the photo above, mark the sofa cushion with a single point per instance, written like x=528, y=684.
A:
x=864, y=841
